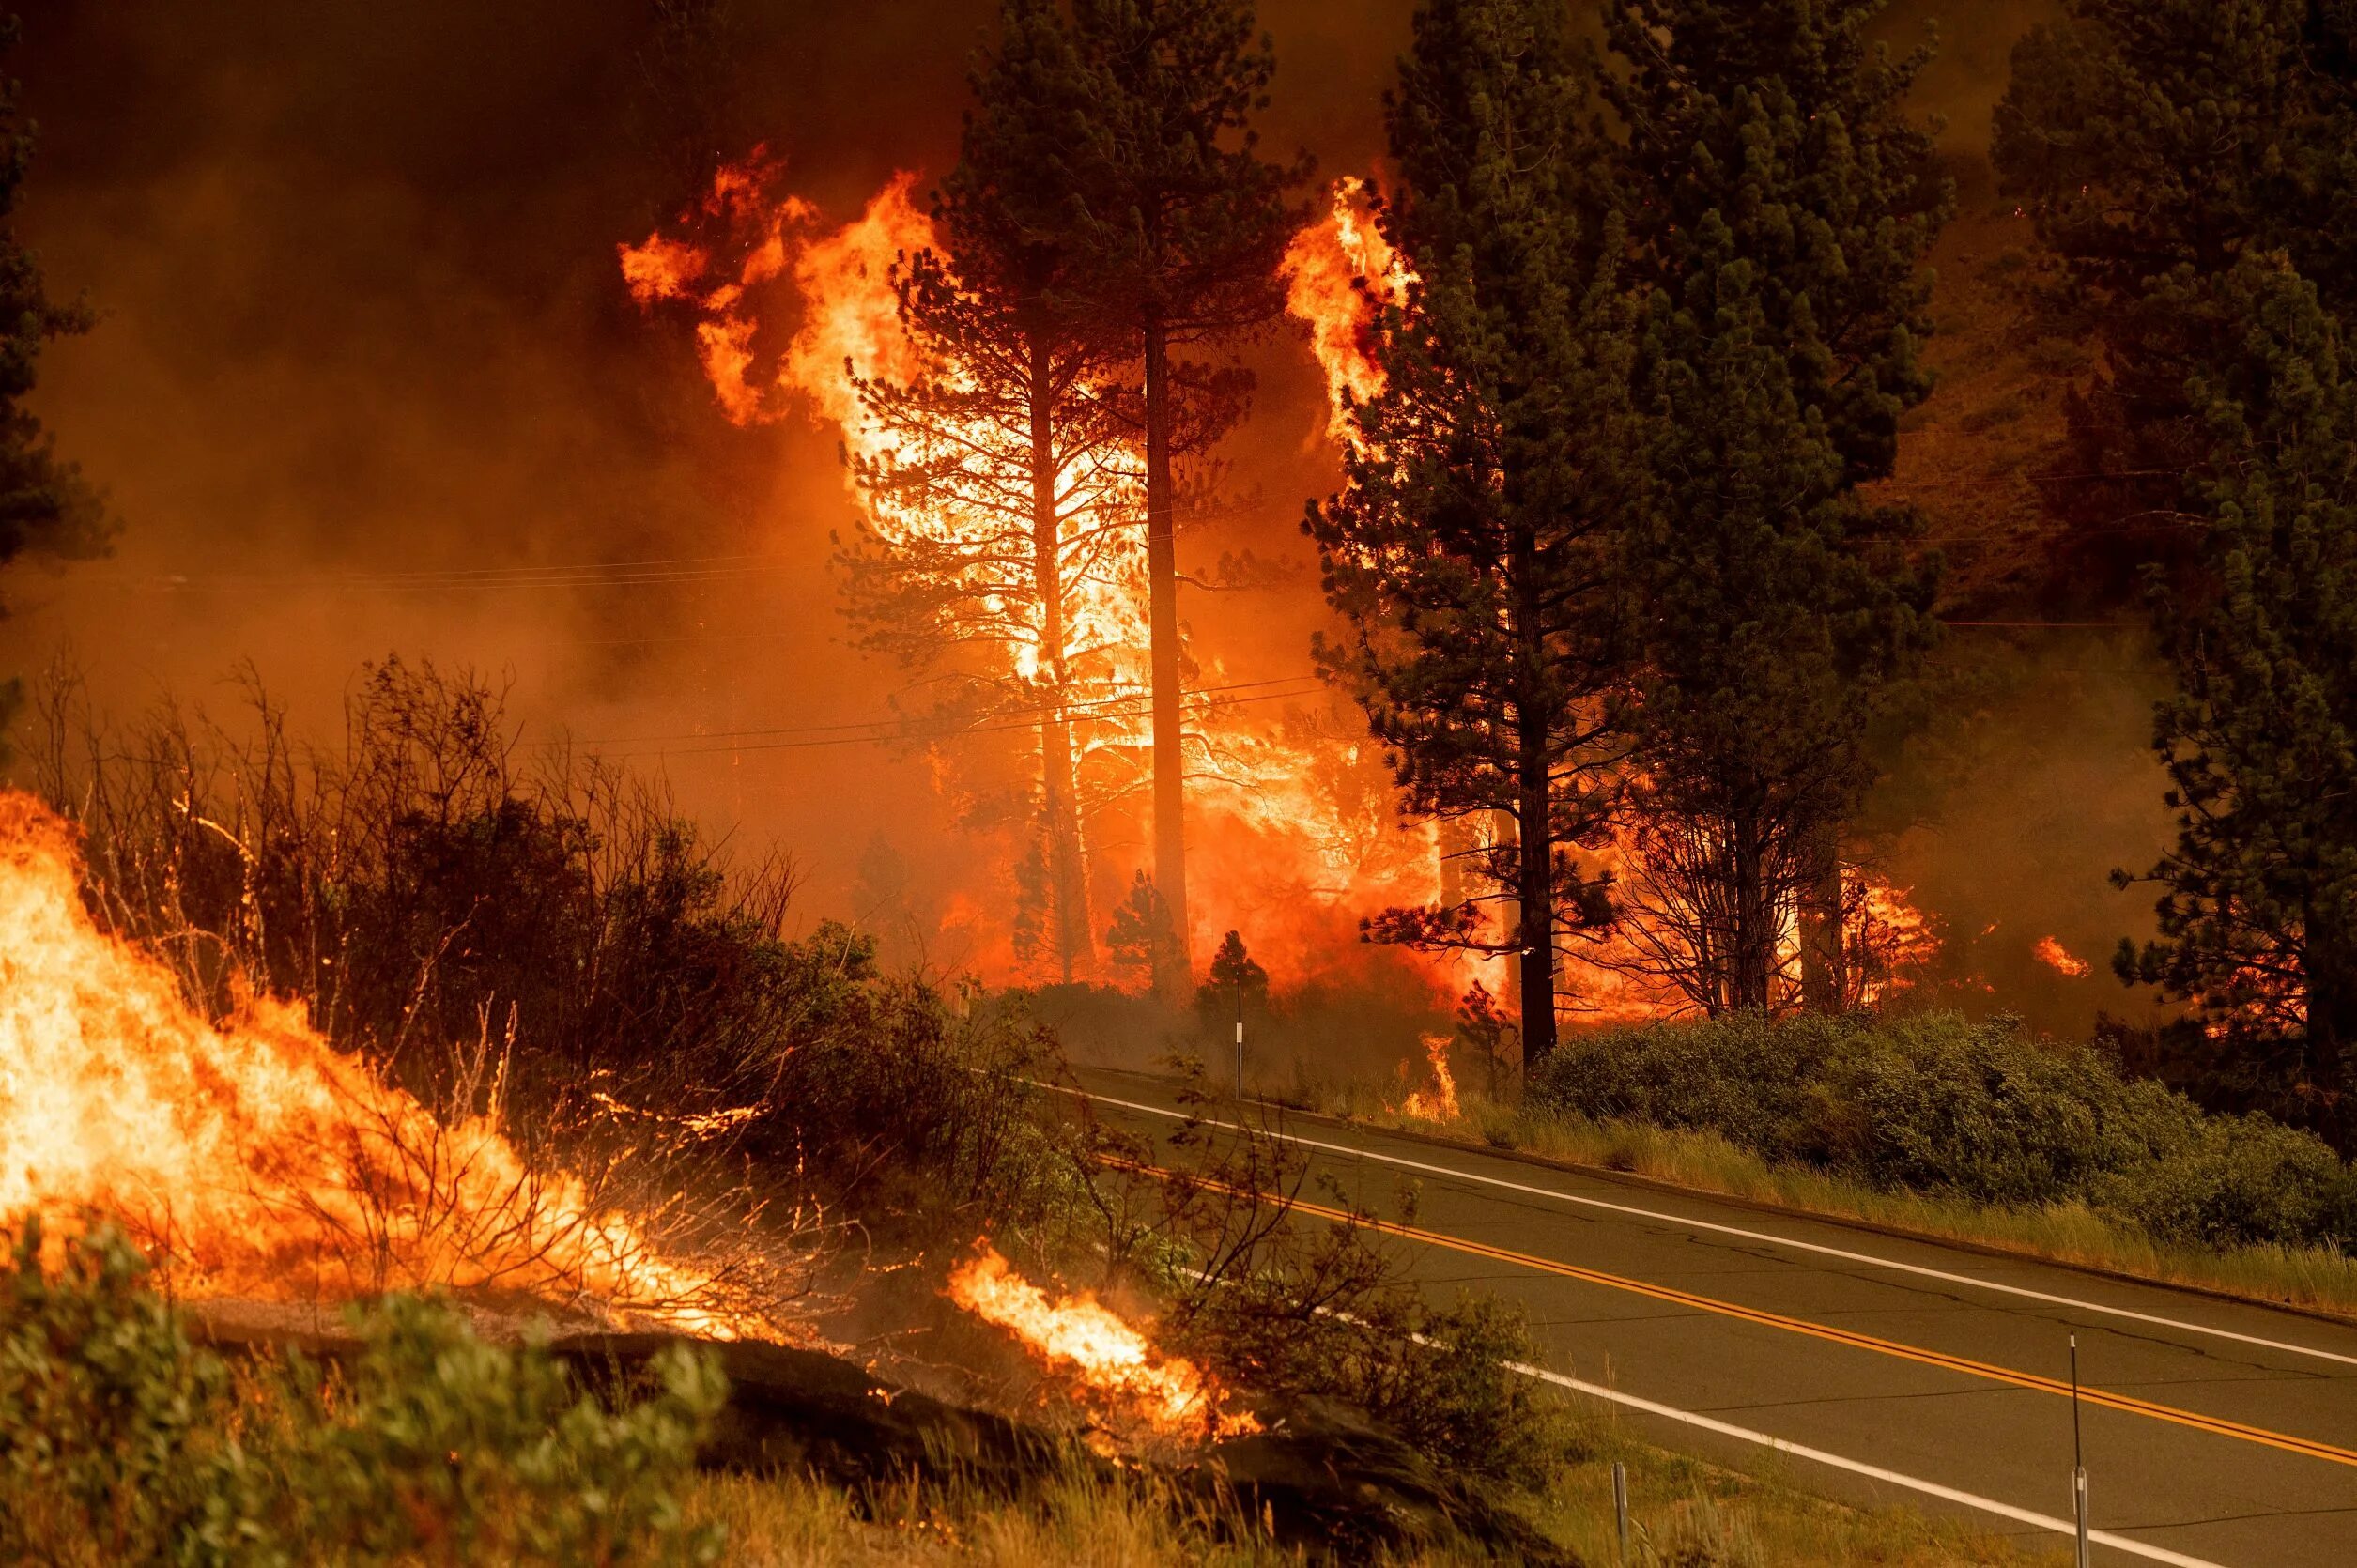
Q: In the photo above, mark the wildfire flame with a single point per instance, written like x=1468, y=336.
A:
x=252, y=1158
x=1339, y=275
x=1170, y=1394
x=2055, y=955
x=1302, y=815
x=1439, y=1103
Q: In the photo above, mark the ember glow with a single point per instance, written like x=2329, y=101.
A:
x=253, y=1159
x=1076, y=1334
x=2055, y=955
x=1436, y=1103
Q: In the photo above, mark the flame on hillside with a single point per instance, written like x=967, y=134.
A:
x=1276, y=793
x=1341, y=275
x=1436, y=1103
x=2055, y=955
x=252, y=1158
x=1076, y=1334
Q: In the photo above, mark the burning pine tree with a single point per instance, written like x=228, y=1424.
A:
x=1002, y=482
x=1001, y=546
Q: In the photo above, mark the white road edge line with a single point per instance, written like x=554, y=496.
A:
x=1819, y=1248
x=1873, y=1472
x=1817, y=1455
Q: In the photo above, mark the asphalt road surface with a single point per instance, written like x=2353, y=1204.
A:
x=1879, y=1369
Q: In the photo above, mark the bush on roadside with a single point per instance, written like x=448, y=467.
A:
x=1986, y=1112
x=1286, y=1306
x=123, y=1443
x=480, y=922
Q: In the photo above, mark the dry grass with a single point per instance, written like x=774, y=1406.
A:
x=794, y=1522
x=2317, y=1279
x=1682, y=1511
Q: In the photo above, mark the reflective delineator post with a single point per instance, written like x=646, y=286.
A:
x=2078, y=1458
x=1620, y=1504
x=1239, y=1039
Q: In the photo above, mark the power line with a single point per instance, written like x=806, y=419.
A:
x=894, y=731
x=600, y=573
x=2043, y=626
x=912, y=736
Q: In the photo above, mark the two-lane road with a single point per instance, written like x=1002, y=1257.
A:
x=1890, y=1368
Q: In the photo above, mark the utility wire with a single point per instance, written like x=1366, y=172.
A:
x=894, y=729
x=912, y=736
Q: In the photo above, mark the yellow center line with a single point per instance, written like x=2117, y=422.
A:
x=2217, y=1425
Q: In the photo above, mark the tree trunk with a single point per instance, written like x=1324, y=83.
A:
x=1059, y=798
x=1162, y=579
x=1823, y=975
x=1501, y=831
x=1068, y=863
x=1534, y=797
x=2332, y=1019
x=1752, y=958
x=1452, y=842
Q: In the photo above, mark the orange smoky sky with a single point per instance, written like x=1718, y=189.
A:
x=366, y=380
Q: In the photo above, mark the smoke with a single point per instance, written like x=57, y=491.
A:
x=366, y=380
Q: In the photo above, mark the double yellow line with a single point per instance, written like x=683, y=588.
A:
x=2216, y=1425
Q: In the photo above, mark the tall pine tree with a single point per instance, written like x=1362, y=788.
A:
x=1010, y=463
x=1472, y=550
x=2258, y=912
x=1781, y=200
x=1188, y=223
x=46, y=506
x=2193, y=164
x=1767, y=631
x=2146, y=136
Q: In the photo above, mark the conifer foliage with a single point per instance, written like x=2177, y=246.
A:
x=1185, y=223
x=2192, y=164
x=2258, y=912
x=1472, y=550
x=1781, y=199
x=46, y=506
x=1017, y=427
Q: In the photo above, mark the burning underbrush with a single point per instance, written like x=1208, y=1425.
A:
x=1167, y=1395
x=228, y=986
x=253, y=1159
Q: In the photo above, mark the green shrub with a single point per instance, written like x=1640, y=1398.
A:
x=433, y=1446
x=423, y=888
x=121, y=1443
x=116, y=1445
x=1449, y=1389
x=1986, y=1112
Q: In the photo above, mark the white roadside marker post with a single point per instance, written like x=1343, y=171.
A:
x=1239, y=1039
x=1620, y=1506
x=2078, y=1458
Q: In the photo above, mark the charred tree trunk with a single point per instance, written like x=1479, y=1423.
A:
x=1825, y=986
x=1534, y=812
x=2331, y=1022
x=1501, y=830
x=1752, y=956
x=1162, y=576
x=1059, y=798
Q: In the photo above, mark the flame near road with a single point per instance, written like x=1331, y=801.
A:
x=1437, y=1103
x=1076, y=1334
x=253, y=1159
